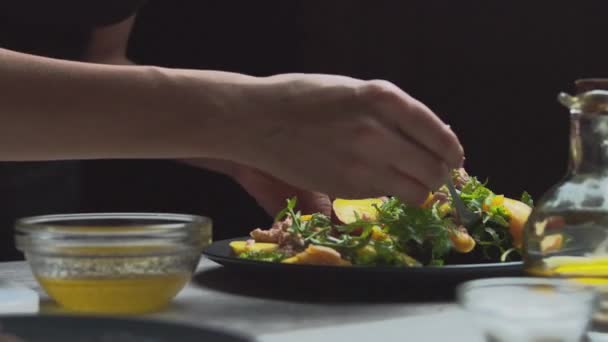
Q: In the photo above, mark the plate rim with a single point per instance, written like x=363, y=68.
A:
x=140, y=321
x=232, y=261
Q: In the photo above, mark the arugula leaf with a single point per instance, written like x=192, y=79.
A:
x=382, y=253
x=291, y=204
x=418, y=225
x=319, y=222
x=346, y=241
x=526, y=198
x=437, y=262
x=499, y=215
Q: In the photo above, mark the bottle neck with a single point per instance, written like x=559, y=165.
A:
x=588, y=143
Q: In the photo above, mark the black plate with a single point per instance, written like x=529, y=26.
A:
x=97, y=329
x=221, y=253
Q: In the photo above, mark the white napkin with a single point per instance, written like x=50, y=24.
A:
x=16, y=299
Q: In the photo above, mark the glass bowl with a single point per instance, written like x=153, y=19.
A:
x=114, y=263
x=529, y=309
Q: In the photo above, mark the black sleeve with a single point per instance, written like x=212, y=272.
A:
x=83, y=13
x=108, y=12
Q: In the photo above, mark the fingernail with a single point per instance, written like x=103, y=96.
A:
x=462, y=162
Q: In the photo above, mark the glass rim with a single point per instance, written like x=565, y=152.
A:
x=562, y=285
x=44, y=232
x=53, y=221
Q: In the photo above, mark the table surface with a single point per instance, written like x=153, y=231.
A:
x=219, y=298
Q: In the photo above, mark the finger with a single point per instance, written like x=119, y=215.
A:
x=314, y=202
x=374, y=180
x=411, y=191
x=425, y=128
x=403, y=186
x=417, y=122
x=268, y=192
x=405, y=157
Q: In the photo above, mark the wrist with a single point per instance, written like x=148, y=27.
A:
x=215, y=110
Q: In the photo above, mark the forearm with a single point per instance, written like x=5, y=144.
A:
x=217, y=165
x=53, y=109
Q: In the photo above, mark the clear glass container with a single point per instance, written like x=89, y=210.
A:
x=528, y=309
x=123, y=263
x=567, y=233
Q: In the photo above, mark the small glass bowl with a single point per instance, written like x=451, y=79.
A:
x=113, y=263
x=529, y=309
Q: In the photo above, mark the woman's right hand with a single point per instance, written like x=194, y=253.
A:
x=319, y=133
x=345, y=137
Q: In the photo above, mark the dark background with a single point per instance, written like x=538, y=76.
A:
x=490, y=69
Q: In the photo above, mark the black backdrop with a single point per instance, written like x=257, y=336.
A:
x=490, y=69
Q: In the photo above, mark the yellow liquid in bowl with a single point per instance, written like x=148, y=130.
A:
x=132, y=295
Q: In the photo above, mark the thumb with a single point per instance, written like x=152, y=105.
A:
x=314, y=202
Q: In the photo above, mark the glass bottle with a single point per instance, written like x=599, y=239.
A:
x=567, y=233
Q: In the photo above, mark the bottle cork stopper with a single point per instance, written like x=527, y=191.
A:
x=589, y=84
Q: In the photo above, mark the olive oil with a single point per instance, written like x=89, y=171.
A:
x=566, y=235
x=126, y=295
x=586, y=270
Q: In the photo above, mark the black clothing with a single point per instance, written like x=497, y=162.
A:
x=59, y=29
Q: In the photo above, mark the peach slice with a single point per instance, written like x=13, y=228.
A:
x=239, y=247
x=461, y=240
x=518, y=213
x=552, y=243
x=318, y=255
x=345, y=209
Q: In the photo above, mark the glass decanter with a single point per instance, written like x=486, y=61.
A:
x=567, y=233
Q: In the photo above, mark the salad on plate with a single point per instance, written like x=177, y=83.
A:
x=388, y=232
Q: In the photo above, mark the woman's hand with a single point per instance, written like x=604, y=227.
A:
x=329, y=134
x=344, y=136
x=269, y=192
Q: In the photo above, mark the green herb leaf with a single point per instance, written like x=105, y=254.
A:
x=420, y=226
x=263, y=256
x=526, y=198
x=291, y=204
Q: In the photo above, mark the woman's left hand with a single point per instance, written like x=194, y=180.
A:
x=272, y=193
x=269, y=192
